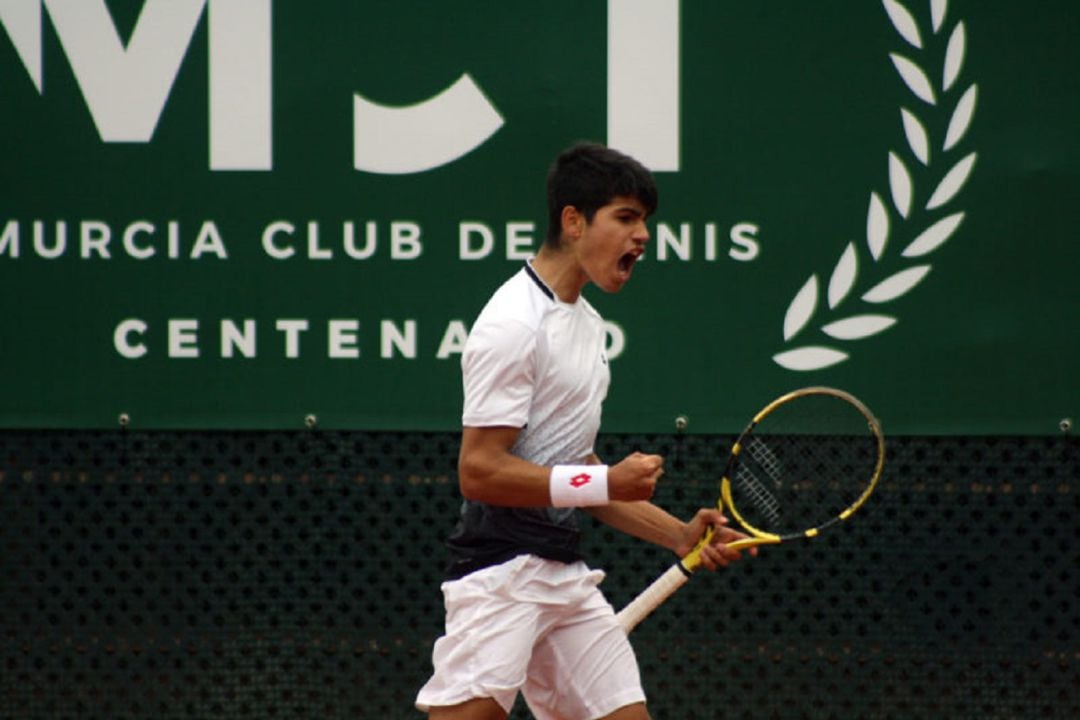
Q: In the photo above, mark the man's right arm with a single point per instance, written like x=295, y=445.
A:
x=488, y=472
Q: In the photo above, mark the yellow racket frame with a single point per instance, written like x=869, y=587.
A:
x=692, y=560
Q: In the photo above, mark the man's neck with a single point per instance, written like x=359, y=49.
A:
x=560, y=270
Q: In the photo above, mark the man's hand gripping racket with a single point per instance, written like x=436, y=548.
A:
x=808, y=460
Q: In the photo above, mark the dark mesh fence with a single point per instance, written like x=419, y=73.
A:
x=295, y=575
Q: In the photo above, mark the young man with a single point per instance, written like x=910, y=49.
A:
x=523, y=610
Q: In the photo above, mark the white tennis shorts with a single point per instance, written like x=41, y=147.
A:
x=536, y=626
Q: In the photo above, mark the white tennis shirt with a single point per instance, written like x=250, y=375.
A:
x=532, y=362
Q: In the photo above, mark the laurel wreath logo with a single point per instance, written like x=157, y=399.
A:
x=841, y=322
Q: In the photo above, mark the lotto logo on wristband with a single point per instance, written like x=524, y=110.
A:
x=579, y=485
x=579, y=480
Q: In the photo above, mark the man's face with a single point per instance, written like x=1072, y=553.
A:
x=611, y=244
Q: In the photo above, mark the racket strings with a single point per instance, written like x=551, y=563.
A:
x=765, y=458
x=764, y=502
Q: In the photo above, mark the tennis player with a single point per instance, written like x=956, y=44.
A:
x=523, y=611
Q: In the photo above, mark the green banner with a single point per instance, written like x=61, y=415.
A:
x=255, y=215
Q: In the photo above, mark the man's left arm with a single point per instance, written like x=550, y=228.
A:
x=650, y=522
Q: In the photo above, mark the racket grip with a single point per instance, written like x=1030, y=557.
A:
x=652, y=596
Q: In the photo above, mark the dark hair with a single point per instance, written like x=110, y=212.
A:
x=588, y=176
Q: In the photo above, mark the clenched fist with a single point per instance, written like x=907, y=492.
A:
x=634, y=477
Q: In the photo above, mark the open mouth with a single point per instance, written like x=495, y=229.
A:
x=626, y=262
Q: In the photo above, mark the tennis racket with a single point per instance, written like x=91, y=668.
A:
x=807, y=461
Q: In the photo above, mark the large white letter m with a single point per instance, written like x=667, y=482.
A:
x=125, y=88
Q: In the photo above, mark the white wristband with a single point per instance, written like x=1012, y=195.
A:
x=579, y=485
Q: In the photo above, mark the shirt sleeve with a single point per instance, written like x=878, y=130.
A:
x=498, y=371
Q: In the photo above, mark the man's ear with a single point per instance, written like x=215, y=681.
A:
x=573, y=222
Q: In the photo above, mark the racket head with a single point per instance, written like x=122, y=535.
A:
x=808, y=460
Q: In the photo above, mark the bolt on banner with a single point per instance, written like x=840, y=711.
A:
x=261, y=214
